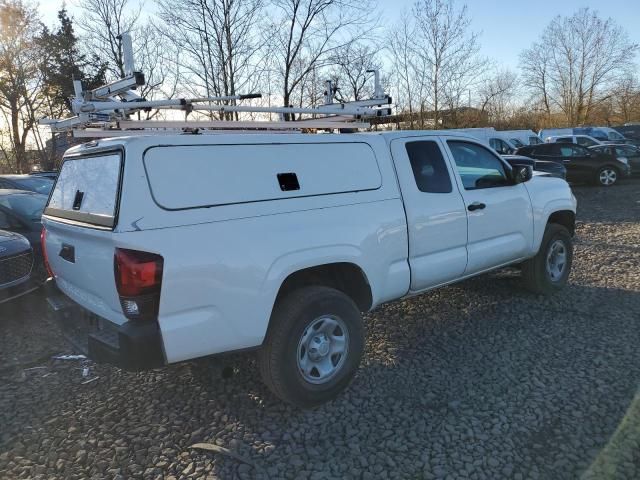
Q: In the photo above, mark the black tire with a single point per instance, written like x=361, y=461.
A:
x=607, y=176
x=535, y=273
x=278, y=358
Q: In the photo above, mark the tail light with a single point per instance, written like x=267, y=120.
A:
x=138, y=280
x=43, y=245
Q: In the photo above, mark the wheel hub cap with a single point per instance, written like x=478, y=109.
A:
x=322, y=349
x=319, y=347
x=556, y=260
x=608, y=177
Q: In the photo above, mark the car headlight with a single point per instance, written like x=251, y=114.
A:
x=623, y=160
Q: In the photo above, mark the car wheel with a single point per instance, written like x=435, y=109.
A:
x=313, y=346
x=549, y=270
x=607, y=176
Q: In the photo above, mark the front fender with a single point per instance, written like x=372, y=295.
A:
x=548, y=196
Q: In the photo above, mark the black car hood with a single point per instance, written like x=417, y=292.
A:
x=12, y=244
x=8, y=236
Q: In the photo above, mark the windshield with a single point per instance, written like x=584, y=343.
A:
x=29, y=207
x=615, y=136
x=516, y=142
x=35, y=184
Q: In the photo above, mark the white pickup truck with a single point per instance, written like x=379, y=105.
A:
x=185, y=246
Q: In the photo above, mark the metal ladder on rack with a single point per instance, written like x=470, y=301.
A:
x=106, y=111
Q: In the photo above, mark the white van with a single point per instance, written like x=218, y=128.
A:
x=554, y=132
x=522, y=138
x=184, y=246
x=491, y=137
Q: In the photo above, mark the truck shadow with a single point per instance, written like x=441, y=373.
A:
x=480, y=363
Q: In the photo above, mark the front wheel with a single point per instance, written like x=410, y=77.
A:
x=313, y=347
x=549, y=270
x=607, y=176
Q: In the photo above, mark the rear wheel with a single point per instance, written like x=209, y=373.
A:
x=549, y=270
x=607, y=176
x=313, y=347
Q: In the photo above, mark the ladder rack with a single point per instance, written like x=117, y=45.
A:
x=106, y=111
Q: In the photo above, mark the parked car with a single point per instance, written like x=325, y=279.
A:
x=16, y=264
x=602, y=134
x=198, y=245
x=631, y=132
x=624, y=153
x=21, y=212
x=45, y=174
x=32, y=183
x=551, y=168
x=584, y=140
x=523, y=137
x=582, y=164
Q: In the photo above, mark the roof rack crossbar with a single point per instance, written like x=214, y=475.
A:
x=109, y=108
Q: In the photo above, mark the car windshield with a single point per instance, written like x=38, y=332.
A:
x=517, y=142
x=27, y=206
x=615, y=136
x=35, y=184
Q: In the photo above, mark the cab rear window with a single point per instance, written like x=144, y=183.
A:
x=87, y=189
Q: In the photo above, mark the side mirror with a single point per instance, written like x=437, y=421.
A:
x=521, y=173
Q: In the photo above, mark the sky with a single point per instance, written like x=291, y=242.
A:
x=507, y=26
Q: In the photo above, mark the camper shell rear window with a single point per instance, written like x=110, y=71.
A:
x=87, y=189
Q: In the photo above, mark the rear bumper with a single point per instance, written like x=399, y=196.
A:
x=133, y=346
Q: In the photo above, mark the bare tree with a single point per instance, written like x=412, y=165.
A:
x=20, y=79
x=626, y=98
x=497, y=94
x=350, y=72
x=218, y=41
x=305, y=34
x=409, y=72
x=450, y=52
x=576, y=61
x=536, y=65
x=104, y=21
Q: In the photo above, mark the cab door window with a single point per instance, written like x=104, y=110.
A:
x=499, y=145
x=429, y=168
x=477, y=166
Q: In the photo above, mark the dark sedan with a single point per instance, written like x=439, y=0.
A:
x=21, y=212
x=16, y=266
x=628, y=154
x=32, y=183
x=582, y=164
x=552, y=169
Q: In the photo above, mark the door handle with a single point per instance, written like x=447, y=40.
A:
x=476, y=206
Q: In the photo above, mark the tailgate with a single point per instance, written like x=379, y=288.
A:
x=81, y=260
x=79, y=238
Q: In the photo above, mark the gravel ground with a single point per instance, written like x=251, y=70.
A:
x=478, y=380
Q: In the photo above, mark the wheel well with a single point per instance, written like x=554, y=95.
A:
x=566, y=218
x=345, y=277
